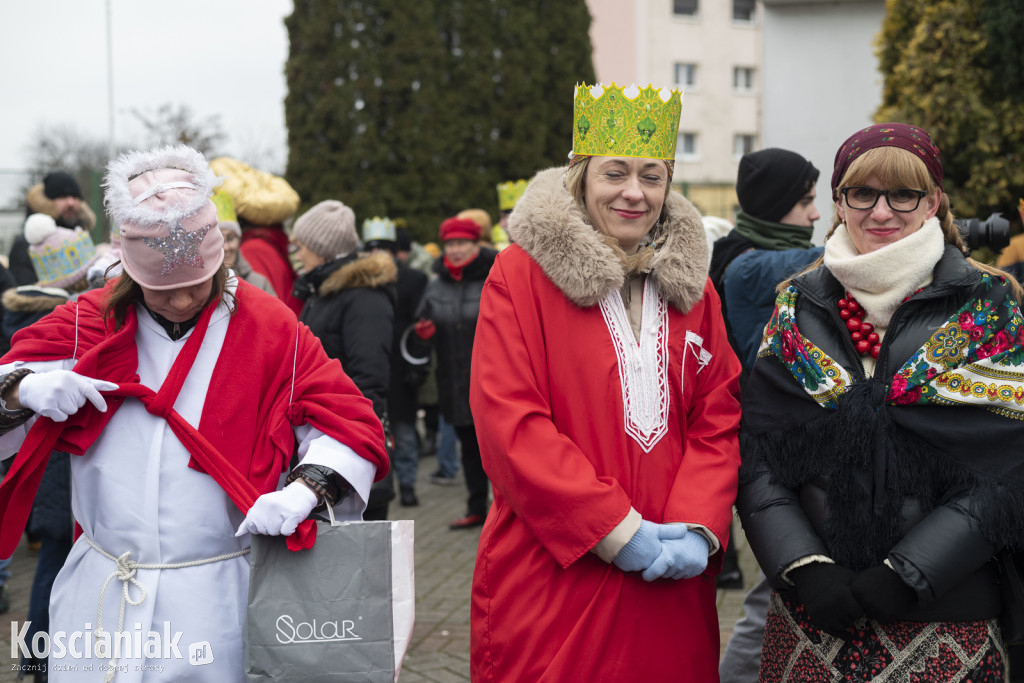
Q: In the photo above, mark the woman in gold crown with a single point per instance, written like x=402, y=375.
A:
x=609, y=391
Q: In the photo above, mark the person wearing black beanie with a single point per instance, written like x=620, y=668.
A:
x=771, y=241
x=61, y=184
x=775, y=189
x=771, y=181
x=63, y=190
x=59, y=196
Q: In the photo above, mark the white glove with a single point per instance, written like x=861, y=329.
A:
x=279, y=513
x=58, y=394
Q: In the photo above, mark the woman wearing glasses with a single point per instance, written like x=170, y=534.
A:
x=880, y=440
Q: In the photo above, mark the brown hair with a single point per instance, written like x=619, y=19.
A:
x=126, y=292
x=896, y=167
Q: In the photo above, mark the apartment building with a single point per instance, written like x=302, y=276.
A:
x=712, y=50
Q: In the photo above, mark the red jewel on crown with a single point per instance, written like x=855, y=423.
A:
x=863, y=334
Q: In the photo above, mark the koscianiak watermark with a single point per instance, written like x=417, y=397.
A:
x=95, y=643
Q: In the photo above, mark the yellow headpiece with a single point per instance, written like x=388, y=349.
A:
x=610, y=121
x=509, y=193
x=225, y=206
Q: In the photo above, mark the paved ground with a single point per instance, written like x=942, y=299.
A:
x=439, y=652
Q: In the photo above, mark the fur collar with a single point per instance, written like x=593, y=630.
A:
x=549, y=226
x=33, y=299
x=371, y=271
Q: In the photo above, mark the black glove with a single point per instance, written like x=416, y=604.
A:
x=883, y=594
x=824, y=589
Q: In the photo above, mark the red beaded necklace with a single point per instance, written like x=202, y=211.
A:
x=863, y=334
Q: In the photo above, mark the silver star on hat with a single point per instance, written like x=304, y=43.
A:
x=180, y=247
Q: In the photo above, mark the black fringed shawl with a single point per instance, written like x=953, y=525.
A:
x=948, y=424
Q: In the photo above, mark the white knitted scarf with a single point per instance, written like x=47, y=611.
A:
x=880, y=280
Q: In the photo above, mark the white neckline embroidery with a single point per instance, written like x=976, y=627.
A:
x=643, y=367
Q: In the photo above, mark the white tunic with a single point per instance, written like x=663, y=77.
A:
x=134, y=492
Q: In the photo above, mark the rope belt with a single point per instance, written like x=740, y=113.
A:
x=124, y=572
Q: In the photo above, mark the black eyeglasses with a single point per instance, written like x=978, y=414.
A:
x=901, y=199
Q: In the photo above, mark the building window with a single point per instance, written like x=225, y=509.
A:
x=685, y=8
x=686, y=75
x=686, y=147
x=742, y=144
x=743, y=10
x=743, y=79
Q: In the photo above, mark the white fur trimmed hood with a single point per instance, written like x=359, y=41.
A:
x=550, y=227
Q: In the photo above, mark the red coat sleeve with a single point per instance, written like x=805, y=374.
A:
x=538, y=472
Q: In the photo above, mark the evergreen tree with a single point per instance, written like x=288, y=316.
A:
x=418, y=109
x=359, y=112
x=955, y=68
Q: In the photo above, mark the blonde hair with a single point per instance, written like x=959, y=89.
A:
x=896, y=167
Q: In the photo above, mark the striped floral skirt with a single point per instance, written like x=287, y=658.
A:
x=903, y=651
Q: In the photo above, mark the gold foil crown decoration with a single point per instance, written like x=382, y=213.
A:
x=509, y=193
x=610, y=121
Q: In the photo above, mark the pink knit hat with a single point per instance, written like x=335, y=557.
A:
x=161, y=202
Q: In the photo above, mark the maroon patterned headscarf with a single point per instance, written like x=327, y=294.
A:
x=911, y=138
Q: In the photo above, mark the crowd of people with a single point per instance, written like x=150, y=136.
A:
x=619, y=374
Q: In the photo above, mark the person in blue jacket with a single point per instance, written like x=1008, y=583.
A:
x=771, y=242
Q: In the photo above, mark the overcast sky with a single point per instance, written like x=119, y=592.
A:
x=220, y=57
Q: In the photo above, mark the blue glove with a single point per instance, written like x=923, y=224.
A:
x=645, y=546
x=641, y=550
x=681, y=557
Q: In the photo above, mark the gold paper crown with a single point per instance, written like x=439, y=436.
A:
x=611, y=121
x=509, y=193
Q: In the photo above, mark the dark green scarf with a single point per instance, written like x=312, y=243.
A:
x=774, y=236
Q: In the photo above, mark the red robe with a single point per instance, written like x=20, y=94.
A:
x=546, y=395
x=250, y=423
x=266, y=250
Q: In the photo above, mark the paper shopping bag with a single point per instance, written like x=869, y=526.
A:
x=341, y=611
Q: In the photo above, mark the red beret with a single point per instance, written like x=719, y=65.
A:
x=460, y=229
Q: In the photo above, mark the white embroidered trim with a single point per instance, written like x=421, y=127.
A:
x=643, y=367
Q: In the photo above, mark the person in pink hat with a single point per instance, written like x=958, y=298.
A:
x=182, y=394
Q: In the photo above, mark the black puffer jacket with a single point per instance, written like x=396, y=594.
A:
x=932, y=488
x=454, y=306
x=349, y=305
